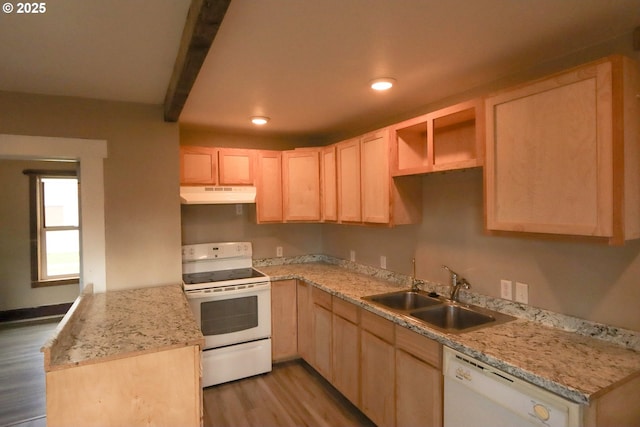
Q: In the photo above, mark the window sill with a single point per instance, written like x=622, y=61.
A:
x=55, y=282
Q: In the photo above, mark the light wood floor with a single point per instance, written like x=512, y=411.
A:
x=22, y=390
x=291, y=395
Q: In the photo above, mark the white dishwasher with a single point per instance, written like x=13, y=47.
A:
x=478, y=395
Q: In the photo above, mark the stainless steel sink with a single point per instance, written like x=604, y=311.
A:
x=453, y=317
x=404, y=300
x=438, y=312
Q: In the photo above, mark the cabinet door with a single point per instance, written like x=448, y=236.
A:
x=236, y=166
x=305, y=322
x=346, y=350
x=375, y=177
x=419, y=381
x=329, y=184
x=549, y=155
x=377, y=361
x=418, y=392
x=321, y=331
x=349, y=207
x=322, y=340
x=198, y=166
x=269, y=187
x=301, y=185
x=284, y=322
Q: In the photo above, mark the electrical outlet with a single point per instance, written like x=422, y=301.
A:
x=238, y=209
x=506, y=289
x=352, y=255
x=278, y=250
x=522, y=293
x=383, y=262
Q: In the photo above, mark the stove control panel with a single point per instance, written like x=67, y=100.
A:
x=203, y=251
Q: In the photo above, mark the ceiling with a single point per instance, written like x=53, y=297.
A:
x=102, y=49
x=305, y=64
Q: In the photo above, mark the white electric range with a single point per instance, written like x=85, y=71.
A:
x=231, y=302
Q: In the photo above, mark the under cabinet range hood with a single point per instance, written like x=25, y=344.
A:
x=212, y=195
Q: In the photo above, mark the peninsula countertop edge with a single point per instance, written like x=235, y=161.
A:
x=123, y=323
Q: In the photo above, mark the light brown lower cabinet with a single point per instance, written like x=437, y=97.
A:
x=346, y=350
x=322, y=331
x=305, y=322
x=159, y=388
x=394, y=375
x=419, y=381
x=377, y=365
x=284, y=321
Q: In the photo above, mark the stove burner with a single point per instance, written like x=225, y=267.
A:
x=220, y=276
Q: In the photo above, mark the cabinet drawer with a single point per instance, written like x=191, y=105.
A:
x=377, y=325
x=345, y=309
x=321, y=297
x=423, y=348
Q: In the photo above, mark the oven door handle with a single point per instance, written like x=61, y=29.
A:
x=223, y=292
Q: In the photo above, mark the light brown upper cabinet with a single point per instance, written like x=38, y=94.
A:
x=348, y=156
x=198, y=165
x=236, y=166
x=447, y=139
x=563, y=154
x=269, y=186
x=301, y=184
x=329, y=185
x=366, y=191
x=375, y=178
x=216, y=166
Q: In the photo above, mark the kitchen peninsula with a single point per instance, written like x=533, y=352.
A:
x=129, y=357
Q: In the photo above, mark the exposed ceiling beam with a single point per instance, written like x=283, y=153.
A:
x=203, y=20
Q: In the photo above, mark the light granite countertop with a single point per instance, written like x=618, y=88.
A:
x=577, y=367
x=118, y=324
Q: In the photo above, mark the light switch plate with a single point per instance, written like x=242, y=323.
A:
x=278, y=251
x=352, y=255
x=383, y=262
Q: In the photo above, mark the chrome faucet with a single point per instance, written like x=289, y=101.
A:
x=457, y=282
x=415, y=282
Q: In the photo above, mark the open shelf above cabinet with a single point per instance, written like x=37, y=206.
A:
x=447, y=139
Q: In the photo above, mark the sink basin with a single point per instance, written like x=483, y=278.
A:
x=437, y=312
x=453, y=317
x=404, y=300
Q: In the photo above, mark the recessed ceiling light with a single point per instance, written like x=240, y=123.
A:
x=383, y=83
x=259, y=120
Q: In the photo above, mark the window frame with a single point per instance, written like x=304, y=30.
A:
x=36, y=229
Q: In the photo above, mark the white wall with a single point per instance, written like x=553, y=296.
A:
x=141, y=178
x=587, y=280
x=15, y=264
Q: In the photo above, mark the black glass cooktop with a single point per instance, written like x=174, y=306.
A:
x=220, y=276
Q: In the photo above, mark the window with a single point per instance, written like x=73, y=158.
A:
x=55, y=228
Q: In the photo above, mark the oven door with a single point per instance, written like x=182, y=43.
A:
x=232, y=315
